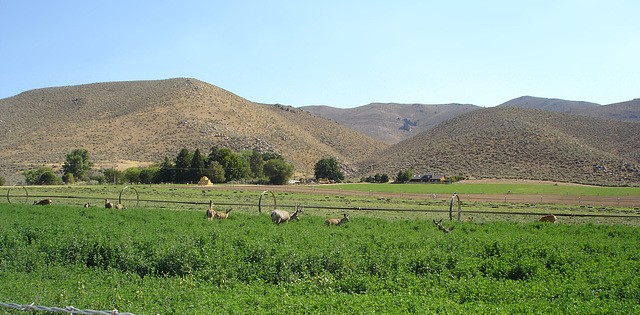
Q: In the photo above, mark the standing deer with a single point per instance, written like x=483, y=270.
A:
x=220, y=215
x=108, y=204
x=210, y=211
x=329, y=222
x=549, y=218
x=279, y=216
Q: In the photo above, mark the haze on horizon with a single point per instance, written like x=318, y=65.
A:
x=337, y=53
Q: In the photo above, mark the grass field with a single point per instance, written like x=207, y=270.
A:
x=463, y=188
x=167, y=261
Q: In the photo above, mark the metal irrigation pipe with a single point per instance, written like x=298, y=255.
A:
x=26, y=201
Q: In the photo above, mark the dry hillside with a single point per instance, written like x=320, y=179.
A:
x=391, y=122
x=514, y=142
x=624, y=111
x=145, y=121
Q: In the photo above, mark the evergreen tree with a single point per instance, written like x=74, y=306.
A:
x=166, y=174
x=197, y=166
x=182, y=166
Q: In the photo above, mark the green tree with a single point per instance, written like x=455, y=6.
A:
x=404, y=176
x=148, y=173
x=49, y=178
x=232, y=164
x=197, y=168
x=78, y=163
x=166, y=173
x=132, y=175
x=278, y=171
x=182, y=166
x=68, y=178
x=215, y=172
x=41, y=176
x=384, y=178
x=2, y=181
x=113, y=176
x=328, y=168
x=257, y=164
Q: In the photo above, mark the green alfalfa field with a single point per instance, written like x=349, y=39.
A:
x=168, y=259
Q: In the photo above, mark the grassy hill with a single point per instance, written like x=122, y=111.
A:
x=391, y=122
x=516, y=142
x=128, y=123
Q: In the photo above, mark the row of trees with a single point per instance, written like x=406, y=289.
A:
x=220, y=165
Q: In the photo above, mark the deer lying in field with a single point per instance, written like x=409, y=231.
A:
x=87, y=205
x=442, y=228
x=220, y=215
x=210, y=211
x=279, y=216
x=548, y=218
x=43, y=202
x=108, y=204
x=120, y=206
x=329, y=222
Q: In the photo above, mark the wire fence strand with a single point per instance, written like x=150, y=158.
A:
x=68, y=309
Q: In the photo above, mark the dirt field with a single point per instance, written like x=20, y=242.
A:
x=594, y=201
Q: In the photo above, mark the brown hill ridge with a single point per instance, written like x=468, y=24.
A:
x=145, y=121
x=391, y=122
x=520, y=143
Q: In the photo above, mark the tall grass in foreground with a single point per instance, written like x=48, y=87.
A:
x=151, y=261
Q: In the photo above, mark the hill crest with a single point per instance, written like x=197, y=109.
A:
x=145, y=121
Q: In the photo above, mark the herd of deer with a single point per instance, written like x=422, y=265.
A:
x=280, y=216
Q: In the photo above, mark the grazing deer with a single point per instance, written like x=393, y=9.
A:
x=210, y=211
x=549, y=218
x=108, y=204
x=43, y=202
x=220, y=215
x=329, y=222
x=279, y=216
x=441, y=228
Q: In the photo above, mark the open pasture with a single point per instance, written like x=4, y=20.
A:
x=164, y=261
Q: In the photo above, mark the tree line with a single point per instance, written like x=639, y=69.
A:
x=220, y=165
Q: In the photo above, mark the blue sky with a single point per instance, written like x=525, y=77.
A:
x=336, y=53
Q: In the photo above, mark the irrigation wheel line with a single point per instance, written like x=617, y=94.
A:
x=134, y=189
x=26, y=201
x=455, y=196
x=260, y=200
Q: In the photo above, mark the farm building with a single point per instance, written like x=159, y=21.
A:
x=427, y=178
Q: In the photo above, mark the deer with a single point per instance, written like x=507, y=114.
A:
x=120, y=206
x=87, y=205
x=279, y=216
x=441, y=228
x=108, y=204
x=336, y=222
x=210, y=211
x=219, y=215
x=549, y=218
x=43, y=202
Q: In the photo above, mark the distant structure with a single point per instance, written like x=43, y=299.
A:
x=204, y=181
x=427, y=178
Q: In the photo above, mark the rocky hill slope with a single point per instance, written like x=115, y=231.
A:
x=523, y=143
x=145, y=121
x=391, y=122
